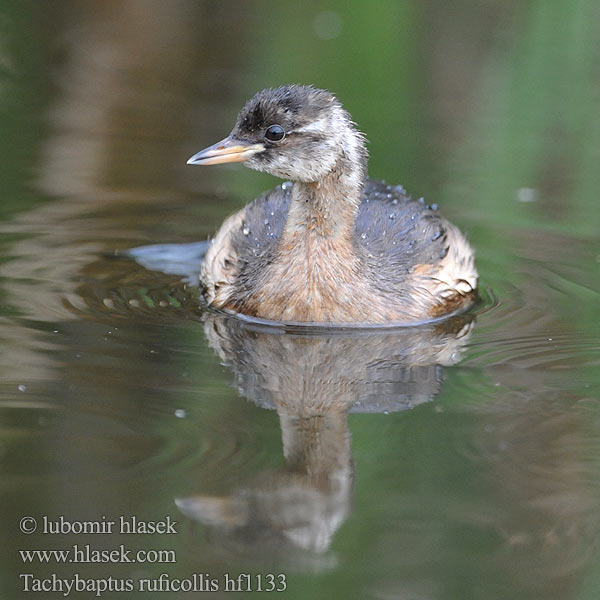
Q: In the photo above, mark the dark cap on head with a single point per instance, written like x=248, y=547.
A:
x=295, y=132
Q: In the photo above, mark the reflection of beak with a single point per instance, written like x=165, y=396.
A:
x=225, y=151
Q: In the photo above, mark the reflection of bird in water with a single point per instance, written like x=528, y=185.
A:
x=334, y=246
x=313, y=381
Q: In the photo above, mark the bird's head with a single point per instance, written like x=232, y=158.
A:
x=293, y=132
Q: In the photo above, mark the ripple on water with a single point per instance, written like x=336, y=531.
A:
x=127, y=401
x=560, y=352
x=108, y=443
x=521, y=413
x=546, y=315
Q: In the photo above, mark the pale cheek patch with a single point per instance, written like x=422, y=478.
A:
x=321, y=126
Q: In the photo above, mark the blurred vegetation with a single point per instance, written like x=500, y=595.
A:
x=527, y=118
x=25, y=89
x=535, y=126
x=529, y=121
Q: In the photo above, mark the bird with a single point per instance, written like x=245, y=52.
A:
x=329, y=245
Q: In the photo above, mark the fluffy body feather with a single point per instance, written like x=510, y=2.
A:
x=404, y=262
x=334, y=246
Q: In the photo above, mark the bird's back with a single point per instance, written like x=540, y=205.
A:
x=410, y=256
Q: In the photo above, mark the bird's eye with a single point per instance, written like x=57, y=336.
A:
x=275, y=133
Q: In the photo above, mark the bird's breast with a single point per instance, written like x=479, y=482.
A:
x=313, y=278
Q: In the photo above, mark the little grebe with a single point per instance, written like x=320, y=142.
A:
x=334, y=246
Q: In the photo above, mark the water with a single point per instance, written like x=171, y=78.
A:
x=456, y=460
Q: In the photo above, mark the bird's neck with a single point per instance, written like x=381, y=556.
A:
x=327, y=208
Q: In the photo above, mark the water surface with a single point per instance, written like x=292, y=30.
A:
x=456, y=460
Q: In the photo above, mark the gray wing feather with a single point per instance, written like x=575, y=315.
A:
x=394, y=233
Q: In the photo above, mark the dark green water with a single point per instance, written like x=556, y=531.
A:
x=449, y=462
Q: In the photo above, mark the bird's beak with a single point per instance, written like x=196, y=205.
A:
x=226, y=151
